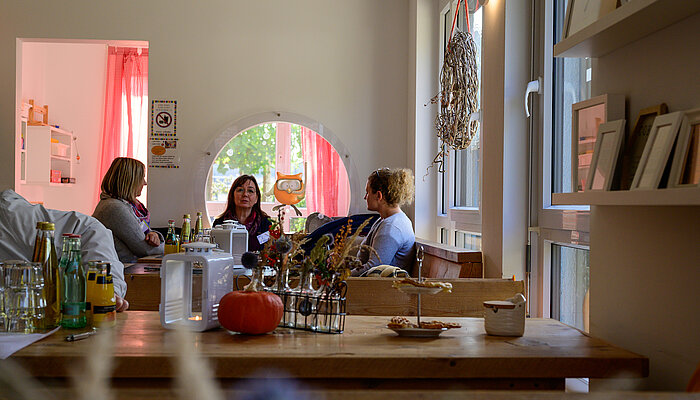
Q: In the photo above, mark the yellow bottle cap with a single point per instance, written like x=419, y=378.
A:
x=49, y=226
x=186, y=216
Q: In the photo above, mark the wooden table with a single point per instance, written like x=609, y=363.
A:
x=366, y=356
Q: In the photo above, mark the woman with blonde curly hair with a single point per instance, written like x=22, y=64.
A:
x=391, y=237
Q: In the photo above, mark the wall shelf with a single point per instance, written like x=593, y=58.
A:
x=689, y=196
x=625, y=25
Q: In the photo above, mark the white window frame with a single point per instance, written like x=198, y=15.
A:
x=454, y=218
x=561, y=225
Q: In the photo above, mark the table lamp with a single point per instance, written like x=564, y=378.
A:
x=179, y=305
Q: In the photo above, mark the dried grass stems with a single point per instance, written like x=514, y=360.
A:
x=458, y=97
x=94, y=381
x=194, y=379
x=339, y=261
x=16, y=383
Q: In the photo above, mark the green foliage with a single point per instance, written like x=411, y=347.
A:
x=251, y=152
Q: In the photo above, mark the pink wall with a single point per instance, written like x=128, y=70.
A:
x=70, y=78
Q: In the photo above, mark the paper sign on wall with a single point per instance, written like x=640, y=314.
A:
x=163, y=118
x=163, y=153
x=162, y=145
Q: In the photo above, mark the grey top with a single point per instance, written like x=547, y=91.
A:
x=18, y=220
x=392, y=239
x=129, y=237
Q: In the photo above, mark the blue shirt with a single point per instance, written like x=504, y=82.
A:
x=393, y=240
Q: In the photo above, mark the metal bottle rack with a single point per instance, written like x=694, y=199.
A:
x=323, y=311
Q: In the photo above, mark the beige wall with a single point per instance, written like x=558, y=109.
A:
x=645, y=261
x=343, y=64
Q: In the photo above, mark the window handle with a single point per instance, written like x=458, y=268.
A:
x=532, y=87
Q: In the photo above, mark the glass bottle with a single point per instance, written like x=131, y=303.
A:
x=305, y=300
x=37, y=241
x=65, y=250
x=91, y=269
x=52, y=278
x=104, y=308
x=198, y=230
x=73, y=287
x=171, y=242
x=186, y=230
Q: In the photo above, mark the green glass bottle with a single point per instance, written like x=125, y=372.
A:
x=73, y=287
x=171, y=243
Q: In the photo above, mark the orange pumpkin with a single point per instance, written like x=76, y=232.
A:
x=250, y=312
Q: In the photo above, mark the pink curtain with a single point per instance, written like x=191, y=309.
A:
x=327, y=186
x=127, y=90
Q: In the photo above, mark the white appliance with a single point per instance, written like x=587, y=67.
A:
x=231, y=237
x=178, y=304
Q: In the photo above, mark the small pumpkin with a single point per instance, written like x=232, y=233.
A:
x=250, y=312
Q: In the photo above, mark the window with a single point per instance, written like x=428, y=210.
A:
x=570, y=282
x=459, y=191
x=287, y=148
x=468, y=240
x=559, y=235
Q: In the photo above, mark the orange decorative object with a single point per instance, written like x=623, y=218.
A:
x=289, y=189
x=250, y=312
x=44, y=111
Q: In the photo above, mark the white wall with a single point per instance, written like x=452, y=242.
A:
x=422, y=84
x=645, y=261
x=343, y=64
x=70, y=78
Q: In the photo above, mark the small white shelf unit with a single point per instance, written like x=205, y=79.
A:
x=39, y=156
x=624, y=25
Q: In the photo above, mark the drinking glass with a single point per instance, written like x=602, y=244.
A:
x=24, y=296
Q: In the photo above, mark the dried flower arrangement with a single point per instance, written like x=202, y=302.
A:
x=333, y=265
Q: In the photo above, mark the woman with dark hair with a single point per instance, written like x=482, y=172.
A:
x=243, y=205
x=123, y=214
x=391, y=236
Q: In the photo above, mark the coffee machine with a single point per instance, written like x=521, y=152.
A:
x=231, y=237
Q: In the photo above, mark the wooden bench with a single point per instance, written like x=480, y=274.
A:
x=376, y=296
x=448, y=262
x=365, y=296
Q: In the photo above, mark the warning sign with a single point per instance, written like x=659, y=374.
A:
x=163, y=117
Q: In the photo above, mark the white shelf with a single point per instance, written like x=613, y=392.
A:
x=689, y=196
x=60, y=158
x=625, y=25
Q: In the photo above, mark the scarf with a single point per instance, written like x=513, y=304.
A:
x=142, y=214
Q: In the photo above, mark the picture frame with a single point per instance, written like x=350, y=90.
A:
x=607, y=151
x=657, y=151
x=635, y=142
x=581, y=13
x=685, y=170
x=586, y=117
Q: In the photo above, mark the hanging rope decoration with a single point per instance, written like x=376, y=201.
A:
x=458, y=96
